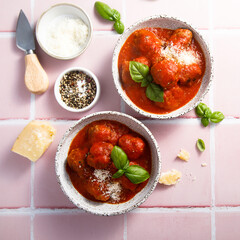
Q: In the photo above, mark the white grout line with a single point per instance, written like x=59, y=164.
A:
x=212, y=127
x=75, y=211
x=7, y=34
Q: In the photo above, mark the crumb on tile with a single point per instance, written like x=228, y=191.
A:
x=203, y=164
x=170, y=177
x=184, y=155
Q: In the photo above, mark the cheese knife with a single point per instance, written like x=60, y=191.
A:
x=36, y=79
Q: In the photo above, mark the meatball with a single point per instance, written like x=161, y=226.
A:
x=99, y=133
x=99, y=155
x=189, y=73
x=172, y=98
x=132, y=146
x=125, y=73
x=76, y=160
x=164, y=73
x=125, y=182
x=143, y=60
x=148, y=43
x=181, y=38
x=97, y=189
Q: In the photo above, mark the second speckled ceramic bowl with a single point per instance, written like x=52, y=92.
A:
x=169, y=23
x=105, y=208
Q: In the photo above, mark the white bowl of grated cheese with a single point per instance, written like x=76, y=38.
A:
x=64, y=31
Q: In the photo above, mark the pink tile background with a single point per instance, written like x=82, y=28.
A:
x=88, y=6
x=169, y=226
x=226, y=80
x=15, y=227
x=99, y=62
x=227, y=225
x=9, y=14
x=227, y=165
x=14, y=97
x=47, y=192
x=198, y=191
x=80, y=226
x=15, y=171
x=226, y=16
x=32, y=205
x=186, y=10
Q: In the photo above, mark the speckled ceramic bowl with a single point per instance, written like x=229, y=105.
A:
x=105, y=208
x=53, y=13
x=170, y=23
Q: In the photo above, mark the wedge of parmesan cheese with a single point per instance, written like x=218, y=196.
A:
x=34, y=140
x=184, y=155
x=170, y=177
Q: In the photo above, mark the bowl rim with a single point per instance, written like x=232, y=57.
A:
x=117, y=83
x=57, y=94
x=85, y=45
x=151, y=187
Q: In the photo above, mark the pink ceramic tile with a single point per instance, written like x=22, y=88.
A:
x=169, y=226
x=15, y=171
x=88, y=6
x=227, y=164
x=80, y=226
x=227, y=225
x=226, y=16
x=194, y=189
x=15, y=227
x=95, y=58
x=9, y=13
x=14, y=97
x=226, y=79
x=47, y=191
x=185, y=10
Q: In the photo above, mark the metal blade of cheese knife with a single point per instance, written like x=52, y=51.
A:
x=24, y=34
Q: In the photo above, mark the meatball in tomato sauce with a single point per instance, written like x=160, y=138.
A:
x=181, y=38
x=164, y=73
x=132, y=146
x=99, y=155
x=76, y=160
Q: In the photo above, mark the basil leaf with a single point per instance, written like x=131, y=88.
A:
x=104, y=11
x=200, y=109
x=138, y=71
x=217, y=117
x=205, y=121
x=118, y=174
x=154, y=92
x=116, y=15
x=208, y=113
x=200, y=145
x=119, y=157
x=136, y=174
x=119, y=27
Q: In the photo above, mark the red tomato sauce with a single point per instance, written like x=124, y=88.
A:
x=179, y=78
x=91, y=146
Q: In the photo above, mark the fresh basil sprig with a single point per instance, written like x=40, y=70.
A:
x=136, y=174
x=200, y=145
x=110, y=14
x=203, y=111
x=140, y=73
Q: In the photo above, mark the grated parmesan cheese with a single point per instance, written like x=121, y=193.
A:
x=114, y=189
x=181, y=56
x=101, y=175
x=66, y=36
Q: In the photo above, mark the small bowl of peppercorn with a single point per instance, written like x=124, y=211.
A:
x=77, y=89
